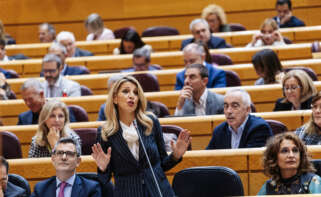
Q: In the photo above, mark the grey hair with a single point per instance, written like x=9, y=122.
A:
x=196, y=21
x=65, y=35
x=142, y=52
x=51, y=29
x=194, y=48
x=32, y=83
x=56, y=45
x=95, y=22
x=52, y=58
x=67, y=140
x=246, y=99
x=112, y=80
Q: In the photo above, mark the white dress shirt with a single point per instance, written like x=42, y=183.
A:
x=131, y=137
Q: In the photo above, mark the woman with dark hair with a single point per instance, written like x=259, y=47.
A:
x=129, y=42
x=131, y=145
x=286, y=161
x=268, y=66
x=310, y=133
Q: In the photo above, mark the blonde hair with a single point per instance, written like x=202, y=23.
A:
x=217, y=10
x=271, y=22
x=112, y=123
x=305, y=82
x=43, y=130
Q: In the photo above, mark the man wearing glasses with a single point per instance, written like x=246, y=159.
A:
x=57, y=85
x=241, y=130
x=65, y=159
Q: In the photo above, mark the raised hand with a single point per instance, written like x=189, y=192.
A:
x=179, y=148
x=53, y=136
x=286, y=18
x=101, y=158
x=255, y=38
x=277, y=36
x=185, y=93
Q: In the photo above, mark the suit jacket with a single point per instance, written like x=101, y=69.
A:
x=288, y=106
x=293, y=22
x=6, y=73
x=80, y=53
x=25, y=118
x=255, y=134
x=214, y=105
x=71, y=88
x=72, y=70
x=82, y=187
x=213, y=43
x=14, y=191
x=216, y=77
x=133, y=178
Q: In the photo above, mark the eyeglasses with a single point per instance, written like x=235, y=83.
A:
x=69, y=154
x=291, y=88
x=286, y=151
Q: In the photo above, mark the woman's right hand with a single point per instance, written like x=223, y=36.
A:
x=101, y=158
x=255, y=38
x=53, y=136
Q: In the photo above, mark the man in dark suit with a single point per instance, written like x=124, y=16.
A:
x=241, y=130
x=33, y=95
x=195, y=54
x=201, y=32
x=68, y=40
x=194, y=98
x=8, y=189
x=66, y=158
x=285, y=18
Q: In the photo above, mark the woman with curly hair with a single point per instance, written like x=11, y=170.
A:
x=216, y=18
x=286, y=161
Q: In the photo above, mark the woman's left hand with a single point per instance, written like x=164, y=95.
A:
x=182, y=143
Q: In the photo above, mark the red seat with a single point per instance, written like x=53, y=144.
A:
x=160, y=31
x=79, y=112
x=277, y=126
x=88, y=138
x=149, y=82
x=10, y=145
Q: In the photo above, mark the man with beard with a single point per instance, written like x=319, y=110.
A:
x=241, y=129
x=57, y=85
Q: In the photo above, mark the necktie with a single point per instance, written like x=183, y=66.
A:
x=62, y=188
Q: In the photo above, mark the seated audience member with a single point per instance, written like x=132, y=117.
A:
x=57, y=85
x=216, y=18
x=5, y=90
x=68, y=40
x=95, y=27
x=201, y=32
x=194, y=98
x=5, y=36
x=285, y=17
x=130, y=42
x=46, y=33
x=65, y=159
x=8, y=189
x=310, y=132
x=286, y=161
x=298, y=89
x=269, y=35
x=53, y=125
x=241, y=129
x=33, y=95
x=3, y=56
x=61, y=52
x=141, y=61
x=195, y=54
x=268, y=66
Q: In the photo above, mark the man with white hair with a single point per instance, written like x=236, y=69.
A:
x=195, y=54
x=241, y=129
x=47, y=33
x=201, y=32
x=68, y=40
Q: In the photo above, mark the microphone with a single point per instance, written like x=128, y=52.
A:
x=148, y=161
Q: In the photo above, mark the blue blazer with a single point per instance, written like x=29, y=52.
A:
x=133, y=178
x=216, y=78
x=255, y=134
x=293, y=22
x=213, y=43
x=81, y=187
x=25, y=118
x=80, y=53
x=14, y=191
x=6, y=73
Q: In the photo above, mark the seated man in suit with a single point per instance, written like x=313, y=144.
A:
x=201, y=32
x=68, y=40
x=57, y=85
x=8, y=189
x=65, y=159
x=33, y=95
x=285, y=18
x=195, y=54
x=241, y=130
x=194, y=98
x=46, y=33
x=141, y=61
x=61, y=52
